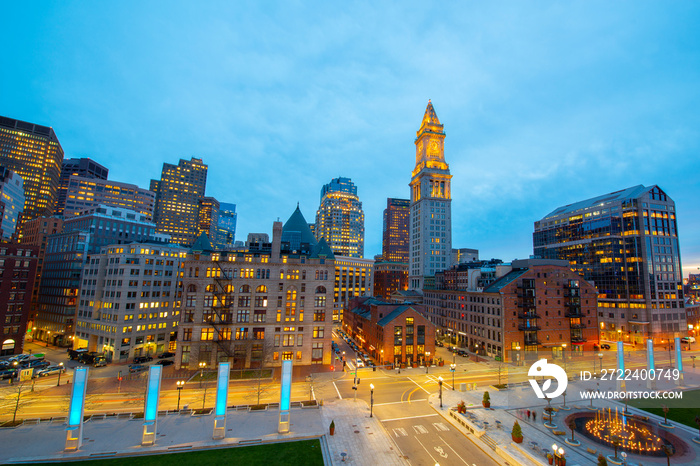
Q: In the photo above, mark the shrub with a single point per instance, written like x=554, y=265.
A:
x=517, y=431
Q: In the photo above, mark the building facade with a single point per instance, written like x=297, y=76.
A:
x=129, y=303
x=85, y=193
x=84, y=168
x=34, y=153
x=340, y=219
x=389, y=277
x=431, y=203
x=11, y=202
x=354, y=277
x=66, y=255
x=537, y=308
x=395, y=230
x=17, y=272
x=396, y=334
x=256, y=309
x=626, y=243
x=178, y=193
x=227, y=225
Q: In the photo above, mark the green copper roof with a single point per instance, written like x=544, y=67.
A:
x=202, y=244
x=298, y=224
x=322, y=249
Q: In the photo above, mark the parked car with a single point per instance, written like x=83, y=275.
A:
x=688, y=339
x=75, y=354
x=8, y=373
x=165, y=362
x=37, y=364
x=141, y=359
x=167, y=354
x=20, y=358
x=51, y=370
x=605, y=346
x=359, y=363
x=137, y=368
x=99, y=362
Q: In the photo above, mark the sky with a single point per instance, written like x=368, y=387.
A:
x=543, y=104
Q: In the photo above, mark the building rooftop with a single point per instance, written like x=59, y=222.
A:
x=626, y=194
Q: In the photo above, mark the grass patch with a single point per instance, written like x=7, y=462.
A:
x=305, y=452
x=680, y=410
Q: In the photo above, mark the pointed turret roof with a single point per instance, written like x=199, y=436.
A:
x=430, y=116
x=323, y=249
x=202, y=244
x=430, y=123
x=298, y=224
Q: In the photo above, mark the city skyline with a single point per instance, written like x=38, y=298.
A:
x=540, y=110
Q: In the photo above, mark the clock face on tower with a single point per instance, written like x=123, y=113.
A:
x=434, y=146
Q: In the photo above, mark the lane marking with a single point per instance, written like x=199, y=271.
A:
x=426, y=391
x=410, y=417
x=420, y=429
x=440, y=427
x=337, y=391
x=399, y=402
x=366, y=377
x=434, y=379
x=450, y=447
x=400, y=432
x=427, y=451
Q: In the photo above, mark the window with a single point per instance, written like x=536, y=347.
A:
x=187, y=334
x=319, y=315
x=243, y=315
x=207, y=334
x=318, y=332
x=241, y=333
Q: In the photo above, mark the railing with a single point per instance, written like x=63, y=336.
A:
x=529, y=327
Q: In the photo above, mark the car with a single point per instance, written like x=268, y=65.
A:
x=100, y=362
x=167, y=354
x=605, y=346
x=20, y=358
x=75, y=354
x=8, y=373
x=440, y=344
x=140, y=359
x=137, y=368
x=51, y=370
x=38, y=364
x=360, y=363
x=688, y=339
x=165, y=362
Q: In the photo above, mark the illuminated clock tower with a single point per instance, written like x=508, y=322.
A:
x=431, y=203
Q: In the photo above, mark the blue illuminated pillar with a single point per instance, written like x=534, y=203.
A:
x=285, y=397
x=74, y=430
x=150, y=411
x=221, y=401
x=621, y=365
x=651, y=381
x=679, y=361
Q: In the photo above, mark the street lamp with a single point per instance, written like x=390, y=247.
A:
x=619, y=334
x=59, y=374
x=558, y=454
x=381, y=362
x=427, y=361
x=33, y=333
x=371, y=399
x=180, y=386
x=600, y=357
x=517, y=355
x=440, y=384
x=563, y=354
x=202, y=365
x=48, y=337
x=453, y=367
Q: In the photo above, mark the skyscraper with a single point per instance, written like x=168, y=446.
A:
x=85, y=193
x=34, y=153
x=208, y=217
x=178, y=193
x=626, y=242
x=431, y=203
x=227, y=225
x=11, y=202
x=395, y=234
x=340, y=219
x=83, y=167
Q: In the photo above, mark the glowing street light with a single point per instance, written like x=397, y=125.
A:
x=440, y=384
x=427, y=361
x=180, y=386
x=202, y=365
x=453, y=368
x=371, y=399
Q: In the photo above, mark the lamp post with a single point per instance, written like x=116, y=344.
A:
x=453, y=367
x=619, y=334
x=563, y=354
x=381, y=362
x=440, y=384
x=427, y=361
x=180, y=386
x=371, y=399
x=558, y=453
x=517, y=355
x=33, y=333
x=670, y=360
x=59, y=374
x=48, y=337
x=693, y=358
x=600, y=357
x=202, y=365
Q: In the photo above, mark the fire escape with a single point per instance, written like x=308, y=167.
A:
x=572, y=295
x=527, y=314
x=222, y=308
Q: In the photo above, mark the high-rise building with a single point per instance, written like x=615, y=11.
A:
x=11, y=202
x=340, y=219
x=208, y=217
x=86, y=193
x=34, y=153
x=626, y=243
x=227, y=225
x=136, y=313
x=66, y=255
x=431, y=203
x=395, y=234
x=178, y=193
x=18, y=269
x=390, y=277
x=83, y=167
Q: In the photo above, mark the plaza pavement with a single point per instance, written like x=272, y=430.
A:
x=512, y=404
x=361, y=437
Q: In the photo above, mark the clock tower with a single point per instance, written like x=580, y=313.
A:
x=430, y=243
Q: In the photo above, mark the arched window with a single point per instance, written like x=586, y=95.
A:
x=211, y=288
x=230, y=289
x=244, y=289
x=261, y=289
x=192, y=289
x=320, y=290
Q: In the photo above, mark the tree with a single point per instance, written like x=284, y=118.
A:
x=572, y=426
x=665, y=410
x=668, y=451
x=18, y=398
x=263, y=357
x=517, y=430
x=616, y=444
x=602, y=461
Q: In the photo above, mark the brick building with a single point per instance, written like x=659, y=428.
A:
x=17, y=272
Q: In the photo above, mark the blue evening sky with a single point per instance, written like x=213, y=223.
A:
x=544, y=103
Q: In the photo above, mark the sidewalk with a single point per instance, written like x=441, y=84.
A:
x=362, y=438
